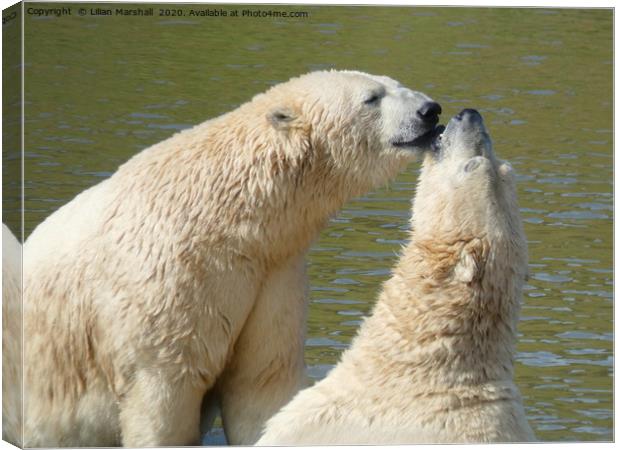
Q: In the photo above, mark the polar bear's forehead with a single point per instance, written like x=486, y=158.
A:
x=382, y=79
x=335, y=78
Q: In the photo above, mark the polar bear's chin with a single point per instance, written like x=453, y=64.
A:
x=422, y=142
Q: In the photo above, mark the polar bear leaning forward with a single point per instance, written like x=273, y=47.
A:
x=434, y=362
x=184, y=271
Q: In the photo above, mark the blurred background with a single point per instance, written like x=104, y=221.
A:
x=99, y=89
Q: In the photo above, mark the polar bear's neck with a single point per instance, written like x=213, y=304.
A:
x=442, y=332
x=207, y=190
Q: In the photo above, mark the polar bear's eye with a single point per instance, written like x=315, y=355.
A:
x=373, y=98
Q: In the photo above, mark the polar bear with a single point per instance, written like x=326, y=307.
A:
x=183, y=273
x=11, y=338
x=434, y=362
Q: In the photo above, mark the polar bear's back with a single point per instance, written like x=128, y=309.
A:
x=66, y=229
x=335, y=413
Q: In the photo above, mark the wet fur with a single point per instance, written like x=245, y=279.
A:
x=184, y=272
x=434, y=361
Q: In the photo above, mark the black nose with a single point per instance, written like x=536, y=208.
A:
x=429, y=112
x=469, y=114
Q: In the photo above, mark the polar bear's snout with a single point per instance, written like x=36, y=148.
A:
x=469, y=115
x=419, y=130
x=429, y=112
x=464, y=137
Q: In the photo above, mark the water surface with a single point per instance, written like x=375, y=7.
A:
x=100, y=89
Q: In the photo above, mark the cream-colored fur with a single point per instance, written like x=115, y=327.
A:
x=11, y=338
x=434, y=362
x=184, y=271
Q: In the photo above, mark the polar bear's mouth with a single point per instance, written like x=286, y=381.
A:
x=436, y=142
x=424, y=141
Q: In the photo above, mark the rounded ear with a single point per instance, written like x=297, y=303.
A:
x=505, y=169
x=280, y=117
x=472, y=261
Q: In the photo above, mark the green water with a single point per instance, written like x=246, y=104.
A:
x=99, y=89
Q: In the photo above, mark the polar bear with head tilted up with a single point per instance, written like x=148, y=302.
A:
x=183, y=273
x=434, y=362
